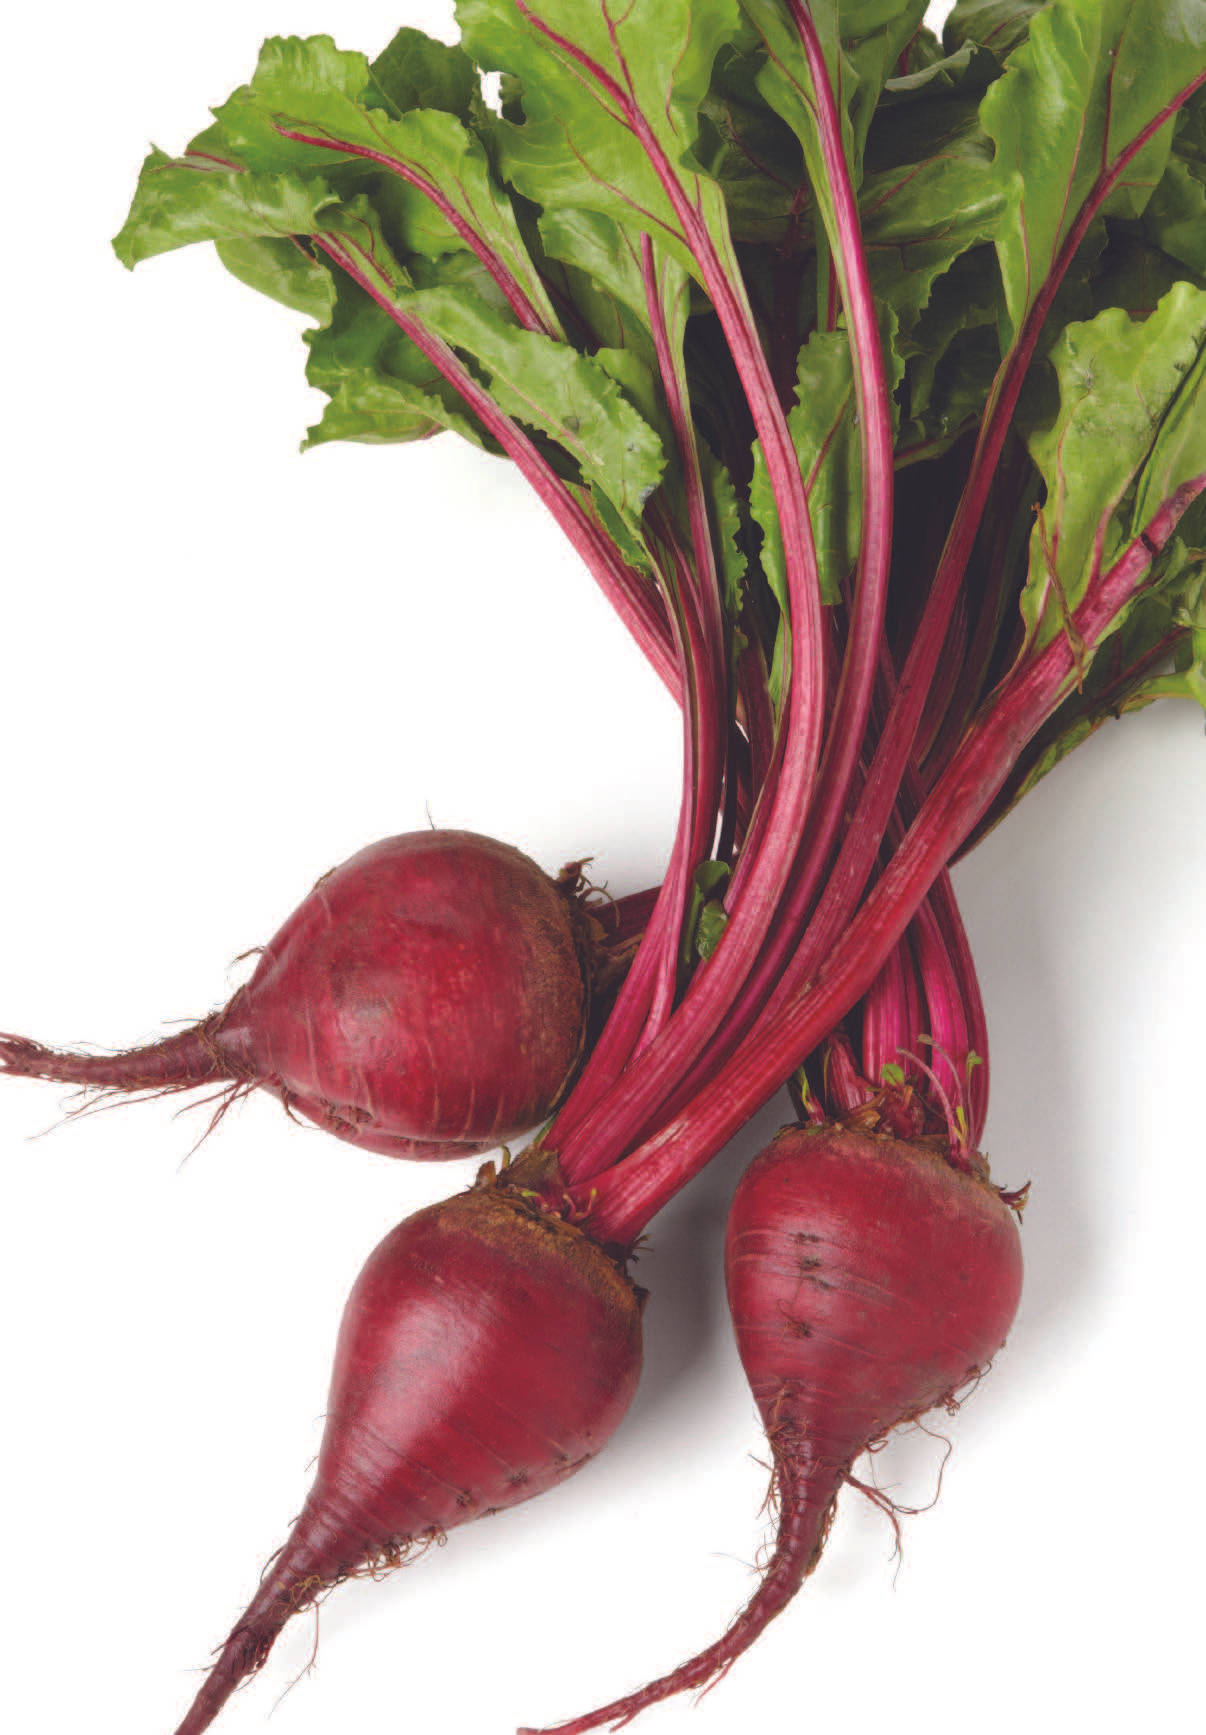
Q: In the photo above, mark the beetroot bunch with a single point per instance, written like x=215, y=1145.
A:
x=874, y=398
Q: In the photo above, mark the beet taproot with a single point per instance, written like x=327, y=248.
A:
x=869, y=1280
x=487, y=1351
x=429, y=999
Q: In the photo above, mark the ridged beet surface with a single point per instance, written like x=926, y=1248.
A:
x=428, y=999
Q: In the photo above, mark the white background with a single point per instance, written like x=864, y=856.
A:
x=226, y=667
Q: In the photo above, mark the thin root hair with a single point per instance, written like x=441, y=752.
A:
x=307, y=1667
x=96, y=1098
x=236, y=1091
x=892, y=1512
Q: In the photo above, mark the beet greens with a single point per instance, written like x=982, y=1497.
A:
x=866, y=374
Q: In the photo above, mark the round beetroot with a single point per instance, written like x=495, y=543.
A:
x=869, y=1279
x=487, y=1351
x=428, y=999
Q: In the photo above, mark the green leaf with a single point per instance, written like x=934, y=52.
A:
x=382, y=388
x=1133, y=274
x=919, y=218
x=952, y=352
x=1189, y=140
x=602, y=272
x=1132, y=415
x=308, y=87
x=999, y=25
x=574, y=149
x=1088, y=79
x=929, y=196
x=823, y=431
x=177, y=202
x=415, y=71
x=1175, y=218
x=1175, y=601
x=282, y=270
x=569, y=397
x=1132, y=669
x=1178, y=453
x=376, y=411
x=825, y=437
x=727, y=531
x=862, y=41
x=966, y=71
x=707, y=917
x=861, y=48
x=542, y=382
x=751, y=152
x=712, y=922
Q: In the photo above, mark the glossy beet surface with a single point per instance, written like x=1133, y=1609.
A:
x=428, y=999
x=486, y=1353
x=868, y=1281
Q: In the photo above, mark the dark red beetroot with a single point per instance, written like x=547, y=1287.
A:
x=868, y=1281
x=428, y=999
x=487, y=1351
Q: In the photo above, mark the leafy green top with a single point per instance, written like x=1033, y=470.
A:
x=522, y=242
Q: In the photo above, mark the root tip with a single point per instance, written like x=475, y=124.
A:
x=22, y=1058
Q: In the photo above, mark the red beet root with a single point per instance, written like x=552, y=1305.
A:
x=428, y=999
x=868, y=1281
x=487, y=1351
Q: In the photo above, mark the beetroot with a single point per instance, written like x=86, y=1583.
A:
x=869, y=1280
x=428, y=999
x=487, y=1351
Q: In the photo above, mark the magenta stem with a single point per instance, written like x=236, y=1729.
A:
x=637, y=1001
x=891, y=1014
x=625, y=1199
x=857, y=679
x=517, y=297
x=974, y=1089
x=617, y=1122
x=646, y=1002
x=624, y=588
x=649, y=984
x=699, y=589
x=866, y=830
x=600, y=1138
x=946, y=1022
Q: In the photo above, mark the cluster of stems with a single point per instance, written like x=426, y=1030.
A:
x=836, y=810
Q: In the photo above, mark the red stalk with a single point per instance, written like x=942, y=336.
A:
x=703, y=761
x=642, y=999
x=625, y=589
x=866, y=830
x=615, y=1121
x=857, y=678
x=967, y=987
x=646, y=1000
x=713, y=988
x=891, y=1013
x=1106, y=707
x=946, y=1020
x=631, y=1193
x=699, y=590
x=1005, y=512
x=517, y=297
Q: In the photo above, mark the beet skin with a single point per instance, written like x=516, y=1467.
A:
x=487, y=1352
x=869, y=1280
x=428, y=999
